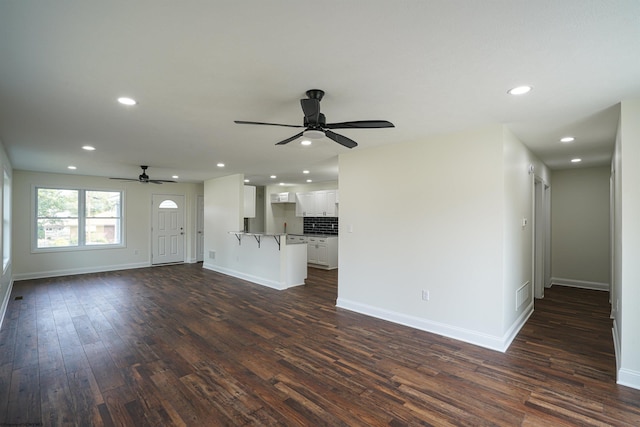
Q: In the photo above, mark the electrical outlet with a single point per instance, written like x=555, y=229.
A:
x=212, y=254
x=425, y=295
x=136, y=252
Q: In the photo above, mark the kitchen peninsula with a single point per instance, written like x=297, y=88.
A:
x=268, y=259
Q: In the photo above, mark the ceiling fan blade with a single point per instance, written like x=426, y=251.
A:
x=340, y=139
x=288, y=140
x=360, y=124
x=311, y=108
x=126, y=179
x=242, y=122
x=159, y=181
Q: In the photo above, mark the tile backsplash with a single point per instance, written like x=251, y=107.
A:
x=321, y=225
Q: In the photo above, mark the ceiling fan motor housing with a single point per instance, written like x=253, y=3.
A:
x=315, y=94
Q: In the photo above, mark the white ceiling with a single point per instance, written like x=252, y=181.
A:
x=428, y=66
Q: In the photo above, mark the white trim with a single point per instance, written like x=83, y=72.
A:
x=625, y=377
x=629, y=378
x=491, y=342
x=616, y=343
x=5, y=302
x=596, y=286
x=74, y=271
x=248, y=277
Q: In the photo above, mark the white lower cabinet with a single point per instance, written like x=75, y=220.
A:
x=322, y=252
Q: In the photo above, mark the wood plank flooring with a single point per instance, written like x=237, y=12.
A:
x=182, y=346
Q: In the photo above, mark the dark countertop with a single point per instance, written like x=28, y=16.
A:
x=313, y=235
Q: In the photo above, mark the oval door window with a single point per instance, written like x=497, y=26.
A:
x=168, y=204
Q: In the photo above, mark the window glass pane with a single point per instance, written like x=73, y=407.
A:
x=102, y=204
x=54, y=232
x=168, y=204
x=57, y=203
x=102, y=231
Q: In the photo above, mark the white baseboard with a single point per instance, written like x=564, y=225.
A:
x=491, y=342
x=5, y=303
x=629, y=378
x=74, y=271
x=625, y=377
x=596, y=286
x=248, y=277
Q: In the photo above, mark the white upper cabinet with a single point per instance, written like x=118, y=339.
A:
x=305, y=204
x=317, y=203
x=249, y=201
x=283, y=198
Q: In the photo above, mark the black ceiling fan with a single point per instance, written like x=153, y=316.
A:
x=316, y=125
x=144, y=178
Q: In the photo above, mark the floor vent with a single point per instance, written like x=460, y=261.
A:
x=18, y=298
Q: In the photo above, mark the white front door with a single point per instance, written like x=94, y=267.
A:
x=167, y=233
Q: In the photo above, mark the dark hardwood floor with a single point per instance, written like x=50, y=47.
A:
x=179, y=345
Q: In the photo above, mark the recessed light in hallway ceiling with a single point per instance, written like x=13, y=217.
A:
x=519, y=90
x=124, y=100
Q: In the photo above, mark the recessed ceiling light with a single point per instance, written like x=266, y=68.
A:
x=520, y=90
x=576, y=160
x=246, y=180
x=273, y=177
x=72, y=168
x=88, y=148
x=220, y=165
x=127, y=101
x=175, y=177
x=305, y=142
x=305, y=172
x=282, y=183
x=309, y=180
x=567, y=139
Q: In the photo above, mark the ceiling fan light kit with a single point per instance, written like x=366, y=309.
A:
x=313, y=134
x=316, y=126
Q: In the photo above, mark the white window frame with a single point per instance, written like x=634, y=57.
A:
x=81, y=246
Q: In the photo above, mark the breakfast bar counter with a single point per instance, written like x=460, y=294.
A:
x=267, y=259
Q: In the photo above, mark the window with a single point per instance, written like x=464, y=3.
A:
x=77, y=218
x=168, y=204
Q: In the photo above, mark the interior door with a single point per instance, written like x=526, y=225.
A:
x=167, y=233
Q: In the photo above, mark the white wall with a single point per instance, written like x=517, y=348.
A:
x=520, y=168
x=426, y=216
x=223, y=210
x=137, y=222
x=6, y=280
x=580, y=227
x=277, y=214
x=442, y=215
x=626, y=244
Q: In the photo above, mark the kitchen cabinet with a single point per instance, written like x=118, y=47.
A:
x=317, y=203
x=322, y=252
x=283, y=197
x=249, y=201
x=305, y=204
x=296, y=238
